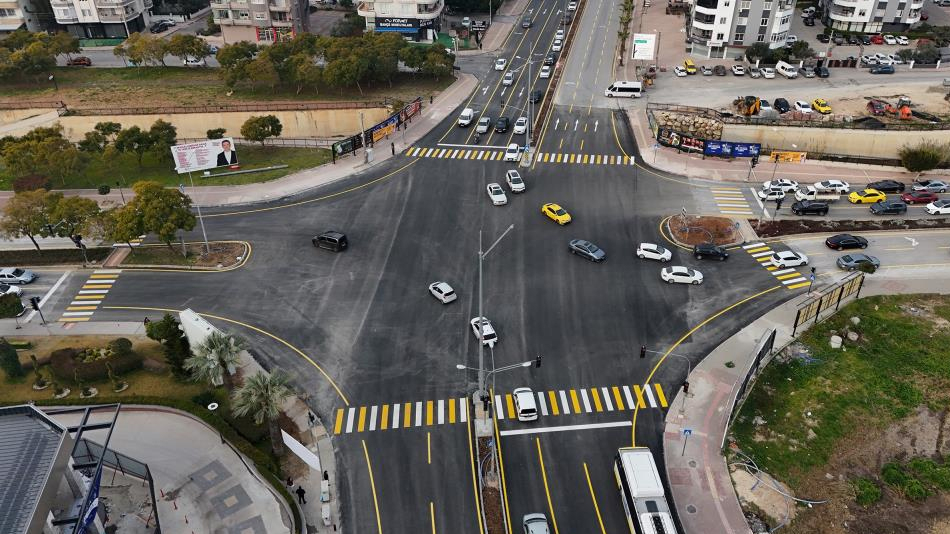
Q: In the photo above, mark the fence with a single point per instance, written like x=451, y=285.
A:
x=763, y=355
x=230, y=108
x=302, y=142
x=829, y=297
x=28, y=104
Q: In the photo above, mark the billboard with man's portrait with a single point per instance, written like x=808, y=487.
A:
x=204, y=155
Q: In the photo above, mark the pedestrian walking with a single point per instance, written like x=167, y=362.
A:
x=146, y=321
x=300, y=495
x=290, y=483
x=326, y=476
x=393, y=146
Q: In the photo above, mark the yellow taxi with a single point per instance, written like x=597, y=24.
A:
x=868, y=196
x=821, y=106
x=556, y=213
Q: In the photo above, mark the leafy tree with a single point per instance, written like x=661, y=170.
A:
x=109, y=129
x=174, y=343
x=757, y=52
x=438, y=62
x=185, y=46
x=158, y=210
x=134, y=141
x=350, y=25
x=259, y=128
x=10, y=306
x=63, y=160
x=304, y=72
x=163, y=136
x=26, y=215
x=924, y=156
x=261, y=72
x=413, y=57
x=800, y=50
x=92, y=142
x=214, y=358
x=927, y=53
x=216, y=133
x=9, y=360
x=261, y=397
x=142, y=49
x=72, y=213
x=63, y=43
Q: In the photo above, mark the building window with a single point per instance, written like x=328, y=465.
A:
x=259, y=15
x=898, y=15
x=784, y=20
x=223, y=14
x=882, y=5
x=767, y=6
x=760, y=38
x=86, y=13
x=9, y=12
x=738, y=38
x=742, y=21
x=764, y=22
x=745, y=4
x=862, y=13
x=243, y=15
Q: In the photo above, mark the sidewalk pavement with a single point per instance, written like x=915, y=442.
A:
x=507, y=18
x=700, y=485
x=737, y=170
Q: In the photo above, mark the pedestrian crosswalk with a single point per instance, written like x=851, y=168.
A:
x=487, y=154
x=450, y=411
x=90, y=296
x=790, y=278
x=731, y=201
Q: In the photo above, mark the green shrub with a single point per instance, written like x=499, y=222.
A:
x=204, y=398
x=923, y=157
x=31, y=182
x=893, y=475
x=120, y=347
x=866, y=492
x=915, y=490
x=90, y=364
x=9, y=361
x=104, y=189
x=10, y=306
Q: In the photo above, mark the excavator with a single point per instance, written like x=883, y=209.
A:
x=901, y=110
x=747, y=105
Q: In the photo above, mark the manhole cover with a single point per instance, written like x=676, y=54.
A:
x=691, y=509
x=692, y=463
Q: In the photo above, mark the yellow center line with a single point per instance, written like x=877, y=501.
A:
x=547, y=491
x=593, y=499
x=471, y=462
x=501, y=463
x=372, y=484
x=432, y=515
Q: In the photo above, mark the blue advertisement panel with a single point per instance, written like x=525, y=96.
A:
x=728, y=149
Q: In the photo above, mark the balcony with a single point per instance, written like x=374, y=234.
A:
x=707, y=7
x=282, y=23
x=278, y=6
x=705, y=23
x=365, y=9
x=843, y=15
x=72, y=18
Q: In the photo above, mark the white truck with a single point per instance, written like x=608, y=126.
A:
x=465, y=118
x=641, y=491
x=810, y=193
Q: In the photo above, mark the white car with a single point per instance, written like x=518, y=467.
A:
x=545, y=72
x=559, y=34
x=525, y=405
x=767, y=72
x=650, y=251
x=556, y=45
x=466, y=21
x=883, y=59
x=903, y=41
x=515, y=182
x=521, y=126
x=681, y=275
x=513, y=152
x=789, y=258
x=572, y=6
x=487, y=334
x=497, y=194
x=680, y=71
x=890, y=39
x=194, y=62
x=895, y=59
x=791, y=39
x=786, y=185
x=508, y=79
x=443, y=292
x=15, y=275
x=6, y=289
x=484, y=124
x=501, y=63
x=833, y=186
x=938, y=207
x=773, y=193
x=869, y=60
x=738, y=70
x=802, y=107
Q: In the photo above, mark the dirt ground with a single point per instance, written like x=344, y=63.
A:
x=697, y=229
x=782, y=227
x=929, y=99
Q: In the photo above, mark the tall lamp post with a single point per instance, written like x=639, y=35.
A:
x=481, y=329
x=530, y=60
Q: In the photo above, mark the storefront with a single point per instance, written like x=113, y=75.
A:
x=415, y=29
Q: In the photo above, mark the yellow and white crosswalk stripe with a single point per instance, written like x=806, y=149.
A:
x=498, y=155
x=583, y=159
x=90, y=296
x=762, y=253
x=400, y=415
x=730, y=200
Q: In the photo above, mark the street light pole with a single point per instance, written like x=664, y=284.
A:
x=481, y=329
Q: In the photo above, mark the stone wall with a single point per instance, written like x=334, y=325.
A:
x=693, y=125
x=848, y=142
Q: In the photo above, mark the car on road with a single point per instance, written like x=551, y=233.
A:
x=502, y=124
x=525, y=405
x=882, y=69
x=850, y=262
x=919, y=197
x=443, y=292
x=890, y=39
x=709, y=251
x=868, y=196
x=810, y=207
x=889, y=207
x=572, y=6
x=159, y=27
x=501, y=63
x=535, y=524
x=496, y=194
x=834, y=186
x=15, y=275
x=7, y=289
x=330, y=240
x=904, y=41
x=821, y=106
x=772, y=193
x=536, y=96
x=933, y=186
x=559, y=34
x=508, y=79
x=550, y=59
x=786, y=185
x=483, y=125
x=719, y=70
x=940, y=207
x=521, y=125
x=79, y=61
x=887, y=186
x=487, y=334
x=681, y=275
x=556, y=213
x=556, y=45
x=513, y=152
x=679, y=71
x=587, y=250
x=845, y=241
x=545, y=72
x=808, y=21
x=781, y=105
x=738, y=70
x=705, y=70
x=515, y=182
x=788, y=258
x=526, y=22
x=649, y=251
x=802, y=107
x=566, y=19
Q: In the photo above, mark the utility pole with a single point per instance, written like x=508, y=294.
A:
x=481, y=331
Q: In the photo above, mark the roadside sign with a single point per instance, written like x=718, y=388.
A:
x=181, y=187
x=811, y=277
x=479, y=25
x=687, y=431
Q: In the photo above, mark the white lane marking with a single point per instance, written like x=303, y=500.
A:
x=47, y=296
x=783, y=271
x=419, y=413
x=586, y=401
x=543, y=405
x=566, y=428
x=372, y=418
x=733, y=212
x=463, y=409
x=107, y=271
x=794, y=280
x=649, y=392
x=753, y=245
x=396, y=415
x=760, y=254
x=349, y=420
x=499, y=408
x=441, y=410
x=85, y=303
x=74, y=314
x=567, y=409
x=626, y=393
x=607, y=401
x=93, y=291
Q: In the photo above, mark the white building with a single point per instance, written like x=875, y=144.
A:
x=261, y=21
x=725, y=28
x=418, y=20
x=102, y=19
x=31, y=15
x=871, y=16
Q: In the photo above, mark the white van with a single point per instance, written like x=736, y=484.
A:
x=624, y=89
x=468, y=114
x=786, y=69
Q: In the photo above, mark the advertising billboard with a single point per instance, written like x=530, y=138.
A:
x=204, y=155
x=788, y=157
x=678, y=140
x=728, y=149
x=644, y=46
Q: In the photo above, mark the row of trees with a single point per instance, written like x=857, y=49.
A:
x=146, y=49
x=25, y=54
x=762, y=52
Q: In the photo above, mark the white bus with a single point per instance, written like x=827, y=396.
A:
x=641, y=491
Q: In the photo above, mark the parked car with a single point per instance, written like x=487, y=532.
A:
x=823, y=38
x=808, y=21
x=850, y=262
x=810, y=207
x=890, y=39
x=822, y=72
x=767, y=72
x=550, y=59
x=650, y=251
x=738, y=70
x=877, y=39
x=443, y=292
x=679, y=71
x=572, y=6
x=846, y=241
x=587, y=250
x=79, y=61
x=764, y=106
x=821, y=106
x=536, y=96
x=158, y=27
x=194, y=62
x=556, y=45
x=719, y=70
x=7, y=289
x=853, y=40
x=802, y=107
x=887, y=186
x=681, y=275
x=705, y=70
x=889, y=207
x=781, y=105
x=865, y=40
x=754, y=72
x=919, y=197
x=807, y=72
x=709, y=250
x=788, y=258
x=545, y=72
x=559, y=34
x=882, y=69
x=15, y=275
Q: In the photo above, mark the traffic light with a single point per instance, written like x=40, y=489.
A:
x=755, y=160
x=537, y=361
x=685, y=386
x=35, y=303
x=77, y=239
x=643, y=351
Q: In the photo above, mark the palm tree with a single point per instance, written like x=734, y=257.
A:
x=261, y=396
x=213, y=357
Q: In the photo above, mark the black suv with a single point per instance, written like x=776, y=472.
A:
x=536, y=96
x=709, y=250
x=159, y=27
x=808, y=207
x=331, y=240
x=887, y=186
x=781, y=105
x=888, y=207
x=501, y=125
x=550, y=59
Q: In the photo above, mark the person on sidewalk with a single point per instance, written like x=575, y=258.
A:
x=300, y=495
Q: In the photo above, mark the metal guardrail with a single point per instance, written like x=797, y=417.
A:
x=28, y=104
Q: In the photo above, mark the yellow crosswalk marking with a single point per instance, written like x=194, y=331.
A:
x=572, y=157
x=362, y=420
x=97, y=286
x=574, y=403
x=406, y=419
x=659, y=394
x=618, y=400
x=338, y=426
x=586, y=158
x=73, y=319
x=384, y=418
x=596, y=396
x=771, y=268
x=104, y=276
x=796, y=286
x=760, y=249
x=88, y=297
x=559, y=157
x=452, y=410
x=511, y=406
x=553, y=403
x=429, y=413
x=81, y=308
x=787, y=276
x=639, y=393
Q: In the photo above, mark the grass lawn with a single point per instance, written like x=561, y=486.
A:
x=97, y=174
x=178, y=86
x=223, y=253
x=806, y=411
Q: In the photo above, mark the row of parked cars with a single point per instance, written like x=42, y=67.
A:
x=814, y=199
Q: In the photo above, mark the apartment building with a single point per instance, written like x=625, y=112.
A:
x=871, y=16
x=102, y=19
x=418, y=20
x=261, y=21
x=725, y=28
x=31, y=15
